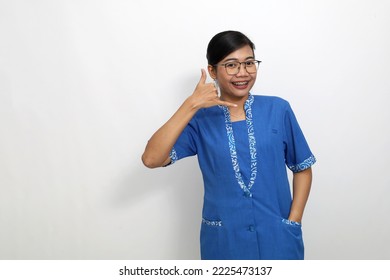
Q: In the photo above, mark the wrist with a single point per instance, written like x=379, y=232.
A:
x=295, y=218
x=191, y=104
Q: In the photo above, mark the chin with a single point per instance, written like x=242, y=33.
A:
x=240, y=93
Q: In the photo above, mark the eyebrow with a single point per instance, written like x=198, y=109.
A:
x=236, y=59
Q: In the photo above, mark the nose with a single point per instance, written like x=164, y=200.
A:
x=242, y=70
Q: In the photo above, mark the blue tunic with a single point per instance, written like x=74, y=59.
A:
x=247, y=195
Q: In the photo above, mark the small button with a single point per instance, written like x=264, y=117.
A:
x=251, y=228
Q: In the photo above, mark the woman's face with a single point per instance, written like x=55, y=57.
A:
x=238, y=85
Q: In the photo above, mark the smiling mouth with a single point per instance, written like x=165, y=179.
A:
x=240, y=83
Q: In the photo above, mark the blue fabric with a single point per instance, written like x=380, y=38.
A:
x=247, y=196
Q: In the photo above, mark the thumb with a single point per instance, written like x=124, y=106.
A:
x=203, y=77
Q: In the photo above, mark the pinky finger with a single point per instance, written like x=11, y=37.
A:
x=228, y=104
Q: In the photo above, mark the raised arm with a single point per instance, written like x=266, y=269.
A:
x=159, y=146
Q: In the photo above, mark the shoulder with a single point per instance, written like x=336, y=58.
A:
x=270, y=101
x=210, y=111
x=206, y=114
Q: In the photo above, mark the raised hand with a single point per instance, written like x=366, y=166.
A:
x=206, y=95
x=160, y=145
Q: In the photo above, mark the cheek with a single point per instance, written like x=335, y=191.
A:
x=254, y=77
x=224, y=83
x=254, y=80
x=222, y=80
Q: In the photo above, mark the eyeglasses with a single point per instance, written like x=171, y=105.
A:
x=233, y=67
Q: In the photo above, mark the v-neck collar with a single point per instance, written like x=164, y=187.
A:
x=252, y=145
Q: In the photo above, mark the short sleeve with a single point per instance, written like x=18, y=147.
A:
x=185, y=145
x=298, y=155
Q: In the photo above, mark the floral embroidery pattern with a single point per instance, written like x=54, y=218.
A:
x=173, y=156
x=291, y=223
x=212, y=223
x=303, y=165
x=252, y=145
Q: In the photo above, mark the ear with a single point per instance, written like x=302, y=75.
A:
x=212, y=71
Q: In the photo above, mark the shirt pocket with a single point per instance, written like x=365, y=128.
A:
x=291, y=241
x=291, y=223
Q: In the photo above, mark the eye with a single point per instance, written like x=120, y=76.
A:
x=250, y=63
x=231, y=65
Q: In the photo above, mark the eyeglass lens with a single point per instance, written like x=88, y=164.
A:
x=232, y=68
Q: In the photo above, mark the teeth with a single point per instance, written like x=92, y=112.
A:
x=240, y=83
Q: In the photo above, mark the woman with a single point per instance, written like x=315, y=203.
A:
x=243, y=143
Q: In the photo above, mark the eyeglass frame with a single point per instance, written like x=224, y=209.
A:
x=239, y=67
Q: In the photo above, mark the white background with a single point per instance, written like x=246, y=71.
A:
x=84, y=84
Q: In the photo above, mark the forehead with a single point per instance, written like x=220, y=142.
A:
x=240, y=54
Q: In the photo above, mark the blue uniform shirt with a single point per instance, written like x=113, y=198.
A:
x=247, y=195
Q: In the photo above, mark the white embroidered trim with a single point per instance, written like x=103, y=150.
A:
x=252, y=144
x=303, y=165
x=291, y=223
x=173, y=156
x=212, y=223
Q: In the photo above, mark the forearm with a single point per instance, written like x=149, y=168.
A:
x=159, y=146
x=301, y=190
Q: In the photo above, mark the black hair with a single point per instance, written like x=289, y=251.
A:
x=224, y=43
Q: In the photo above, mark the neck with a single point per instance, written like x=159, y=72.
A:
x=239, y=100
x=236, y=113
